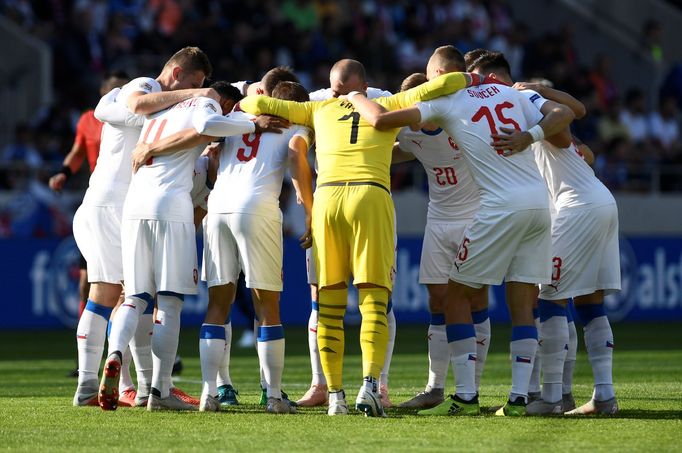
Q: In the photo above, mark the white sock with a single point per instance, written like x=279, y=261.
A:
x=256, y=330
x=165, y=341
x=554, y=336
x=271, y=354
x=315, y=364
x=439, y=352
x=599, y=345
x=224, y=368
x=90, y=336
x=141, y=350
x=462, y=346
x=571, y=354
x=124, y=323
x=390, y=317
x=482, y=328
x=125, y=381
x=211, y=350
x=523, y=348
x=534, y=384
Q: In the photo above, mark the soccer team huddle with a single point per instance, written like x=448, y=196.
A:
x=511, y=198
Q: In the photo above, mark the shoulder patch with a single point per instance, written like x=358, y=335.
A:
x=534, y=97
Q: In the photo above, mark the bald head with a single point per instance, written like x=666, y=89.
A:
x=347, y=75
x=445, y=59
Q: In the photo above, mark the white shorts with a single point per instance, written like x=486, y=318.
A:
x=585, y=253
x=514, y=246
x=159, y=255
x=97, y=230
x=441, y=242
x=243, y=242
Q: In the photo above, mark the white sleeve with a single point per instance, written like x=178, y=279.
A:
x=306, y=134
x=373, y=93
x=207, y=121
x=321, y=95
x=404, y=141
x=241, y=86
x=144, y=84
x=534, y=97
x=530, y=111
x=429, y=110
x=110, y=111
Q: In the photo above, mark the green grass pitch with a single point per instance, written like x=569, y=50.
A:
x=36, y=412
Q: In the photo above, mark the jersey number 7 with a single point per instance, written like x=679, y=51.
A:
x=354, y=125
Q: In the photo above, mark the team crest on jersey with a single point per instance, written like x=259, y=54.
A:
x=195, y=275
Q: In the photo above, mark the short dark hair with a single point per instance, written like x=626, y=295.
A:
x=227, y=91
x=275, y=76
x=471, y=56
x=290, y=91
x=449, y=58
x=491, y=62
x=413, y=80
x=191, y=59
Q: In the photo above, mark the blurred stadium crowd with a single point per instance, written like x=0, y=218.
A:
x=631, y=137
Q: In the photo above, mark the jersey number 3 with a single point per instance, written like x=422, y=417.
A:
x=251, y=141
x=355, y=116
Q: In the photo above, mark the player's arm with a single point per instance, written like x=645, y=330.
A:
x=378, y=116
x=182, y=140
x=561, y=97
x=399, y=156
x=72, y=163
x=556, y=120
x=584, y=150
x=295, y=112
x=143, y=103
x=112, y=112
x=199, y=214
x=440, y=86
x=302, y=179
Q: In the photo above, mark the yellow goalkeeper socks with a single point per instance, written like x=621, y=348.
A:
x=330, y=335
x=374, y=329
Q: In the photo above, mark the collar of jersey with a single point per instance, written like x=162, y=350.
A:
x=489, y=80
x=432, y=133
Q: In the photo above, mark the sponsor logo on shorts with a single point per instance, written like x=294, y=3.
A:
x=523, y=359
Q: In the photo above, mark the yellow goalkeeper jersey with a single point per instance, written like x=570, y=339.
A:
x=347, y=147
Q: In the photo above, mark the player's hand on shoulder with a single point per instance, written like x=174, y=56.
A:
x=511, y=141
x=207, y=93
x=528, y=86
x=141, y=155
x=267, y=123
x=57, y=182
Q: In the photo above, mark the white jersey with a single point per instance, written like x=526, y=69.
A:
x=470, y=116
x=161, y=189
x=200, y=189
x=571, y=182
x=251, y=172
x=110, y=180
x=453, y=194
x=327, y=93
